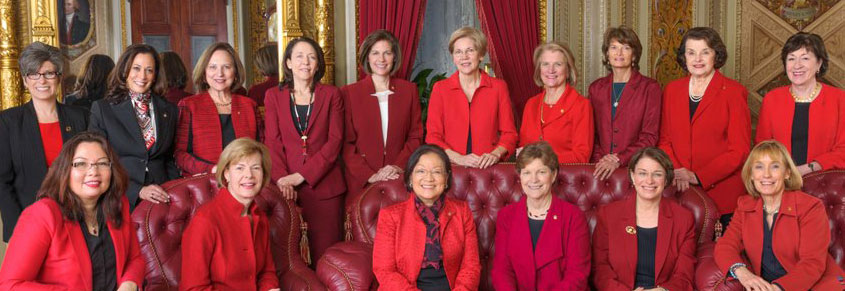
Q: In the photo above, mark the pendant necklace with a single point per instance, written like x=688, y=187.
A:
x=300, y=125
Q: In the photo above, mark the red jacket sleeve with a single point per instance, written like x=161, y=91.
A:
x=502, y=274
x=650, y=123
x=729, y=247
x=683, y=273
x=197, y=249
x=764, y=121
x=384, y=255
x=577, y=244
x=28, y=249
x=470, y=274
x=273, y=135
x=324, y=160
x=665, y=140
x=582, y=138
x=812, y=249
x=508, y=136
x=739, y=139
x=189, y=164
x=604, y=278
x=434, y=123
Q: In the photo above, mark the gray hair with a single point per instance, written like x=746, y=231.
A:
x=35, y=54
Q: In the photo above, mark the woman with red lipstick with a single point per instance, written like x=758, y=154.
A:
x=215, y=117
x=808, y=117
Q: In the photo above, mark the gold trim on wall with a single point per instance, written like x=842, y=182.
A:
x=258, y=34
x=324, y=20
x=44, y=26
x=235, y=32
x=123, y=39
x=10, y=77
x=541, y=15
x=669, y=21
x=288, y=24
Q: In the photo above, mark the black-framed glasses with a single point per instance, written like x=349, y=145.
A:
x=46, y=75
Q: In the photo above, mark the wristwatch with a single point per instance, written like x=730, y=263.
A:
x=812, y=167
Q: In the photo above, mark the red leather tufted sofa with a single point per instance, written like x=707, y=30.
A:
x=159, y=229
x=348, y=265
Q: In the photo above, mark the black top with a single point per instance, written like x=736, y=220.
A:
x=302, y=123
x=693, y=106
x=535, y=226
x=101, y=251
x=469, y=141
x=646, y=247
x=771, y=268
x=616, y=95
x=227, y=128
x=800, y=124
x=432, y=279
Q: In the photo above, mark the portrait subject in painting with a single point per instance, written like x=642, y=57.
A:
x=75, y=23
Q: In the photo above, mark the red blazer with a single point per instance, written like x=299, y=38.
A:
x=256, y=92
x=364, y=150
x=715, y=144
x=490, y=115
x=400, y=244
x=199, y=137
x=805, y=258
x=48, y=252
x=826, y=131
x=637, y=121
x=567, y=125
x=561, y=260
x=615, y=249
x=222, y=250
x=317, y=162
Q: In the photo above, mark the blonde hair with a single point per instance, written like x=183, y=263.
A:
x=477, y=37
x=568, y=60
x=237, y=150
x=777, y=152
x=200, y=84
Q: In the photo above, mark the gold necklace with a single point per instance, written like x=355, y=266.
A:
x=809, y=98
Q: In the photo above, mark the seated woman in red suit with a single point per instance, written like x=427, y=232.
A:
x=470, y=113
x=267, y=62
x=706, y=125
x=174, y=75
x=78, y=235
x=645, y=242
x=762, y=248
x=216, y=116
x=626, y=104
x=542, y=242
x=411, y=251
x=383, y=124
x=558, y=115
x=808, y=117
x=214, y=255
x=304, y=131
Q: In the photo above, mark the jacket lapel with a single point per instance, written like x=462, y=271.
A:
x=126, y=115
x=30, y=124
x=319, y=101
x=664, y=231
x=520, y=239
x=119, y=250
x=567, y=100
x=215, y=121
x=415, y=232
x=370, y=101
x=630, y=88
x=627, y=228
x=713, y=91
x=549, y=243
x=80, y=249
x=164, y=124
x=65, y=124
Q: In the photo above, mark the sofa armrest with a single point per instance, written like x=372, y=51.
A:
x=300, y=277
x=703, y=210
x=347, y=266
x=707, y=274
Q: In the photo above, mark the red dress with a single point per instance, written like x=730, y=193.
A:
x=567, y=125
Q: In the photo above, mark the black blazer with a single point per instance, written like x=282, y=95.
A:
x=117, y=121
x=22, y=162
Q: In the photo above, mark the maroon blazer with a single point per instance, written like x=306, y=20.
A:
x=364, y=150
x=615, y=247
x=174, y=95
x=637, y=121
x=561, y=260
x=256, y=92
x=317, y=161
x=199, y=137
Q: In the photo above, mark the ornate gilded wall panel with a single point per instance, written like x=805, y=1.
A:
x=670, y=20
x=257, y=34
x=43, y=25
x=798, y=13
x=568, y=29
x=324, y=22
x=10, y=77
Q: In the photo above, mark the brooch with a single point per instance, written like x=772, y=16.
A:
x=630, y=230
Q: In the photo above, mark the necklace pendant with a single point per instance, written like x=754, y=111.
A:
x=616, y=104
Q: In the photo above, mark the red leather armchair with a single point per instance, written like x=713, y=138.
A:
x=348, y=265
x=159, y=229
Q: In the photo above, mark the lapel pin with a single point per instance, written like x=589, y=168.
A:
x=164, y=115
x=561, y=111
x=630, y=230
x=67, y=128
x=554, y=217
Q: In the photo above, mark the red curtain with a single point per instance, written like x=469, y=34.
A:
x=512, y=32
x=402, y=18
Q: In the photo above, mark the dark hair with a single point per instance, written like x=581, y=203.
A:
x=35, y=54
x=200, y=84
x=94, y=74
x=626, y=36
x=288, y=73
x=538, y=150
x=267, y=59
x=118, y=92
x=812, y=43
x=367, y=46
x=657, y=155
x=173, y=71
x=415, y=158
x=56, y=183
x=713, y=40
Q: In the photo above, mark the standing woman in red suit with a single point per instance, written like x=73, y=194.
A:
x=558, y=115
x=470, y=113
x=645, y=242
x=626, y=104
x=78, y=235
x=383, y=124
x=305, y=134
x=216, y=116
x=808, y=117
x=706, y=125
x=542, y=242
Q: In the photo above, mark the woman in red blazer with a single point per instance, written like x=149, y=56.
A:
x=78, y=235
x=558, y=115
x=470, y=113
x=305, y=133
x=808, y=117
x=645, y=242
x=383, y=124
x=765, y=226
x=706, y=125
x=542, y=242
x=212, y=119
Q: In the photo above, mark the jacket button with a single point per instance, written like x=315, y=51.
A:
x=615, y=130
x=613, y=144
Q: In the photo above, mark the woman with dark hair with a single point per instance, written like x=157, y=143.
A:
x=78, y=235
x=267, y=62
x=139, y=123
x=32, y=134
x=807, y=117
x=304, y=131
x=427, y=242
x=383, y=124
x=174, y=75
x=91, y=85
x=215, y=116
x=706, y=126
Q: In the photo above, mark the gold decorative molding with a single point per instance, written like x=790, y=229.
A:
x=258, y=34
x=44, y=26
x=123, y=39
x=235, y=33
x=324, y=21
x=10, y=77
x=670, y=20
x=289, y=26
x=541, y=15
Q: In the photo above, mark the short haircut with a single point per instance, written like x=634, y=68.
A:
x=625, y=36
x=812, y=43
x=658, y=156
x=118, y=91
x=237, y=150
x=777, y=152
x=267, y=59
x=200, y=84
x=367, y=46
x=415, y=158
x=287, y=79
x=478, y=39
x=35, y=54
x=93, y=76
x=713, y=40
x=173, y=71
x=538, y=150
x=568, y=62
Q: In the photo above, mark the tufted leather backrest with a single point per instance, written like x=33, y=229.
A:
x=829, y=186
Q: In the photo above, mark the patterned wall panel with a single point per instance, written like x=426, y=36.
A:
x=670, y=20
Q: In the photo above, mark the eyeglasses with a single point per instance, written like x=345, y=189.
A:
x=469, y=52
x=85, y=166
x=47, y=75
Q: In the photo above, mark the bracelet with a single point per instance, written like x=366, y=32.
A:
x=734, y=267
